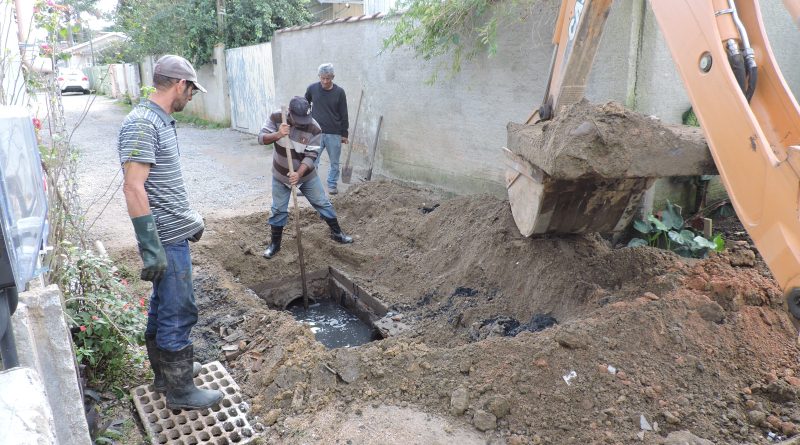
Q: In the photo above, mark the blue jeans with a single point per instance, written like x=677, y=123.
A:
x=173, y=311
x=312, y=190
x=332, y=142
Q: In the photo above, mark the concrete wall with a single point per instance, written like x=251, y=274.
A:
x=214, y=105
x=449, y=134
x=251, y=83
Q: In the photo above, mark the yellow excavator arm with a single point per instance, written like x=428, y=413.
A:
x=750, y=119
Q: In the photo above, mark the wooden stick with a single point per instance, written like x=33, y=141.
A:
x=355, y=127
x=287, y=145
x=374, y=149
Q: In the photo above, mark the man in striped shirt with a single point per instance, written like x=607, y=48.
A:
x=303, y=139
x=164, y=222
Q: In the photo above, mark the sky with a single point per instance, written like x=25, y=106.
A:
x=94, y=23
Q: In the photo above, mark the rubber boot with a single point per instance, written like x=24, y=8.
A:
x=336, y=231
x=159, y=384
x=275, y=243
x=181, y=392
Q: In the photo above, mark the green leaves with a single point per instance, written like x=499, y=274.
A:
x=189, y=27
x=462, y=29
x=105, y=319
x=669, y=232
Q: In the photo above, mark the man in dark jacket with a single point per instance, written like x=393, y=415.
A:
x=329, y=109
x=303, y=139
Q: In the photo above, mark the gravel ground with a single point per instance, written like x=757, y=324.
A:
x=227, y=173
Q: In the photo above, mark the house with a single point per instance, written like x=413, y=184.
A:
x=84, y=54
x=322, y=10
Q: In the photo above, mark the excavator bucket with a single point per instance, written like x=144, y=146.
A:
x=589, y=168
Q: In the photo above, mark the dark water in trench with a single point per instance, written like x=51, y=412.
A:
x=333, y=325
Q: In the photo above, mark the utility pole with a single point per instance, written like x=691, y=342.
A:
x=221, y=19
x=91, y=44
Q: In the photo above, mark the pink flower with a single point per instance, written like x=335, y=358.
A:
x=83, y=328
x=124, y=282
x=141, y=302
x=95, y=317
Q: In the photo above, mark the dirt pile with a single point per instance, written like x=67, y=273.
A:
x=512, y=340
x=609, y=141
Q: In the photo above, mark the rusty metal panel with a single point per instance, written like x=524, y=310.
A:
x=251, y=83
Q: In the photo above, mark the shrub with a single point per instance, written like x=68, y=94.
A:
x=107, y=321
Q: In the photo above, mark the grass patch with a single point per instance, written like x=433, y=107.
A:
x=184, y=118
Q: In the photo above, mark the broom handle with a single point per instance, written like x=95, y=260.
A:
x=355, y=126
x=287, y=143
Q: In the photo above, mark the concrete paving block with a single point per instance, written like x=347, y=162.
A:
x=44, y=343
x=225, y=423
x=25, y=415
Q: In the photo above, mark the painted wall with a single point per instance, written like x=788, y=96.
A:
x=251, y=84
x=215, y=105
x=449, y=134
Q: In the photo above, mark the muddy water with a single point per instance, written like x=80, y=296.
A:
x=333, y=325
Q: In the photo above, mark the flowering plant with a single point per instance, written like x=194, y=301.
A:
x=107, y=320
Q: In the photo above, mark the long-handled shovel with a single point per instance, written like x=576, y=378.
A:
x=347, y=170
x=287, y=144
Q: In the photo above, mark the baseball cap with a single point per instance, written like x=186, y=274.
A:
x=300, y=110
x=177, y=67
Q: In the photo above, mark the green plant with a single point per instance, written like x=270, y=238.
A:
x=196, y=121
x=670, y=232
x=462, y=29
x=146, y=91
x=107, y=321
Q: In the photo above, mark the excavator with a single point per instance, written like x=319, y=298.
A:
x=749, y=117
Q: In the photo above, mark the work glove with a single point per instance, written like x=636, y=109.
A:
x=150, y=249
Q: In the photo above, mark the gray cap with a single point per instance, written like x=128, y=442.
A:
x=177, y=67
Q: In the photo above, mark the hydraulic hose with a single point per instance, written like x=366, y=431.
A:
x=750, y=66
x=736, y=61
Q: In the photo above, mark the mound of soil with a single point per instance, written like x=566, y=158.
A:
x=511, y=340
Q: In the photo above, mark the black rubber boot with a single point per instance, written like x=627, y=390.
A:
x=159, y=384
x=336, y=231
x=181, y=392
x=275, y=243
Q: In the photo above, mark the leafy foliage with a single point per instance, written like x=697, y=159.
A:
x=189, y=27
x=460, y=28
x=671, y=233
x=105, y=318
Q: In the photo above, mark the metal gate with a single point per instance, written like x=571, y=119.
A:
x=252, y=86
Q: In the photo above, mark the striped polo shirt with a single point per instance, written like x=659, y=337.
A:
x=305, y=142
x=148, y=136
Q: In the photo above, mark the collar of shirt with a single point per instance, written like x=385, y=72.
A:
x=166, y=118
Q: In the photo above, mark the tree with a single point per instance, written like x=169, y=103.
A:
x=189, y=27
x=461, y=29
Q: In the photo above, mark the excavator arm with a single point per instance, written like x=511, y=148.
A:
x=750, y=119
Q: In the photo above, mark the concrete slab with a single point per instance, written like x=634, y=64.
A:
x=45, y=345
x=25, y=415
x=225, y=423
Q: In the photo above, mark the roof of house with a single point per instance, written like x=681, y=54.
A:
x=102, y=41
x=378, y=15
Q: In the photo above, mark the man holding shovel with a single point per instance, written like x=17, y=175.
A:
x=304, y=136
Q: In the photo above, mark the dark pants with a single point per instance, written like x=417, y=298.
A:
x=173, y=311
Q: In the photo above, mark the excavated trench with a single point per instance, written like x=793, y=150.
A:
x=340, y=313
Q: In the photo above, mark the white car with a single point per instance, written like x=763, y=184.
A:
x=72, y=80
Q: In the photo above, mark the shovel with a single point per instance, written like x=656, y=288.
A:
x=287, y=144
x=347, y=170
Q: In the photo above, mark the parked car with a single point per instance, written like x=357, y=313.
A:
x=72, y=80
